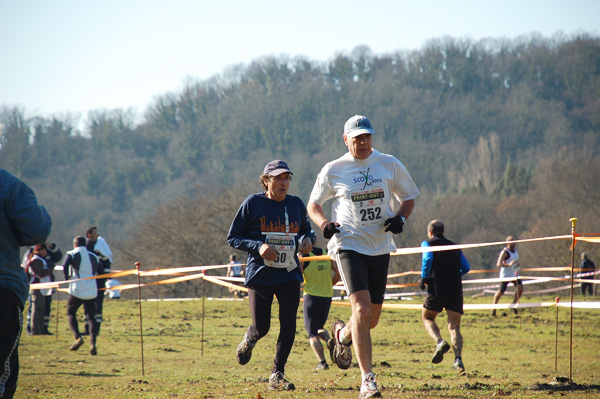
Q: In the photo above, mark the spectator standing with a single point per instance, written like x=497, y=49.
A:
x=272, y=227
x=234, y=269
x=363, y=184
x=54, y=255
x=23, y=222
x=589, y=267
x=39, y=272
x=442, y=272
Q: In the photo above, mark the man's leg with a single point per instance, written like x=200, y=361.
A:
x=497, y=297
x=456, y=338
x=431, y=327
x=364, y=317
x=518, y=292
x=73, y=303
x=90, y=310
x=100, y=283
x=433, y=330
x=317, y=347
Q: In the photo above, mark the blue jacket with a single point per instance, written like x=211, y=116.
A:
x=22, y=223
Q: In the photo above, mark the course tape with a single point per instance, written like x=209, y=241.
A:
x=182, y=271
x=485, y=306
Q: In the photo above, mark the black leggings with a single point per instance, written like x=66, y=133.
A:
x=89, y=306
x=261, y=300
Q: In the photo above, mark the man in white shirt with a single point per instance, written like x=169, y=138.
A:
x=362, y=183
x=508, y=262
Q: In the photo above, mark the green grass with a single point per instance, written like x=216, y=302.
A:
x=504, y=356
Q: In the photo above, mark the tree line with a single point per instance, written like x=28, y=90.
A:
x=501, y=136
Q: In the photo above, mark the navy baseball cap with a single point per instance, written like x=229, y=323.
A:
x=276, y=167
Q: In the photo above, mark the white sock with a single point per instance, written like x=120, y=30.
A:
x=365, y=376
x=343, y=338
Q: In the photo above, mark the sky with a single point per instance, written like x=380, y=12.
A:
x=64, y=57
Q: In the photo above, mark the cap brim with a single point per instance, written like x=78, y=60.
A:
x=358, y=132
x=277, y=172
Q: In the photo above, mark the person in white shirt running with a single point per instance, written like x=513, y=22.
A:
x=508, y=262
x=362, y=184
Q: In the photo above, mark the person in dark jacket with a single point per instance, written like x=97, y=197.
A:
x=23, y=222
x=441, y=272
x=587, y=266
x=272, y=227
x=53, y=256
x=38, y=271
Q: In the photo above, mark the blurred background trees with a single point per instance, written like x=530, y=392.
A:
x=501, y=136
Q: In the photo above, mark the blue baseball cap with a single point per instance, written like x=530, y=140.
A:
x=357, y=125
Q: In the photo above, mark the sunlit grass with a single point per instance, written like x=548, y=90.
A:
x=504, y=356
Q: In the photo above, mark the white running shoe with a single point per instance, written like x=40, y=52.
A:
x=342, y=354
x=368, y=389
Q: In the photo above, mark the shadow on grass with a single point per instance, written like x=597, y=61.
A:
x=79, y=374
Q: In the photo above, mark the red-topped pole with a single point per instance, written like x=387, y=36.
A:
x=137, y=268
x=573, y=227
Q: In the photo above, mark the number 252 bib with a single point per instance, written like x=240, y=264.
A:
x=368, y=207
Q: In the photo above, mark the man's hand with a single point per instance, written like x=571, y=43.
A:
x=329, y=228
x=395, y=224
x=421, y=284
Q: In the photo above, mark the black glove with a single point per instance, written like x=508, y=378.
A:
x=395, y=224
x=329, y=228
x=421, y=283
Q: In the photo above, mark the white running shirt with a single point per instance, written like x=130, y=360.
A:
x=507, y=272
x=362, y=190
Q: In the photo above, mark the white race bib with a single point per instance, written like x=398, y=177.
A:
x=368, y=207
x=286, y=246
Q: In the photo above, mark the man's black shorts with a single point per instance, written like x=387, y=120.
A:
x=438, y=303
x=504, y=284
x=363, y=272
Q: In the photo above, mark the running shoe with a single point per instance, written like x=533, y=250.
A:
x=93, y=350
x=459, y=366
x=244, y=350
x=77, y=344
x=278, y=382
x=368, y=389
x=342, y=354
x=322, y=366
x=440, y=350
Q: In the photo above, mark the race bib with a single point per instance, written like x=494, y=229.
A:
x=286, y=246
x=368, y=207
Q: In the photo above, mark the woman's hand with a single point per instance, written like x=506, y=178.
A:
x=268, y=252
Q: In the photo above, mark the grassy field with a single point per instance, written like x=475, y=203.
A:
x=506, y=356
